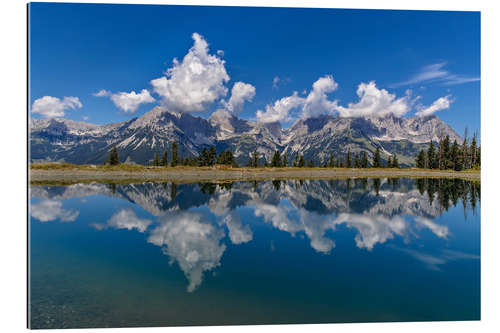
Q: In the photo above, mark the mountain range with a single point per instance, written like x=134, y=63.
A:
x=137, y=139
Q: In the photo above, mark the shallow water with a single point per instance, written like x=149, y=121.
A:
x=161, y=254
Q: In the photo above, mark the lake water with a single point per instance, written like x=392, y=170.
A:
x=312, y=251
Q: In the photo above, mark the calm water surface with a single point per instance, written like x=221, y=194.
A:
x=161, y=254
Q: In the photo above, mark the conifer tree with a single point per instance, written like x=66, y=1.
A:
x=376, y=159
x=156, y=161
x=431, y=157
x=356, y=161
x=331, y=162
x=395, y=162
x=113, y=156
x=276, y=160
x=310, y=164
x=464, y=151
x=174, y=154
x=389, y=162
x=348, y=159
x=255, y=163
x=284, y=162
x=455, y=157
x=302, y=161
x=164, y=158
x=478, y=157
x=296, y=160
x=364, y=160
x=473, y=151
x=212, y=155
x=420, y=160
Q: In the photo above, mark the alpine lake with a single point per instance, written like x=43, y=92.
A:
x=254, y=252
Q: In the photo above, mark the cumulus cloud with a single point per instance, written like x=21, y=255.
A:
x=317, y=103
x=195, y=82
x=436, y=73
x=130, y=102
x=102, y=93
x=194, y=243
x=240, y=93
x=52, y=107
x=51, y=210
x=127, y=102
x=314, y=104
x=375, y=102
x=125, y=219
x=238, y=234
x=280, y=110
x=441, y=103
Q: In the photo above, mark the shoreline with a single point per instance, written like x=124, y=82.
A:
x=195, y=174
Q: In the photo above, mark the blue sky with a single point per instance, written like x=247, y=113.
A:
x=420, y=62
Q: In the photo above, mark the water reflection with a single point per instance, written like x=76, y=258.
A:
x=189, y=221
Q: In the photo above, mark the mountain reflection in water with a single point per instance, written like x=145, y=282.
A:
x=377, y=209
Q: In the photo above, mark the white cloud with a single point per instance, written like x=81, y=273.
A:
x=127, y=219
x=436, y=73
x=51, y=107
x=240, y=93
x=280, y=110
x=276, y=80
x=51, y=210
x=375, y=102
x=317, y=103
x=196, y=82
x=102, y=93
x=441, y=103
x=238, y=233
x=130, y=102
x=85, y=118
x=312, y=105
x=192, y=242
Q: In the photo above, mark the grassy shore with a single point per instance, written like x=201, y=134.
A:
x=64, y=173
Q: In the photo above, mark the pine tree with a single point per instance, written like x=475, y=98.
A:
x=302, y=161
x=164, y=158
x=331, y=162
x=255, y=162
x=478, y=158
x=455, y=159
x=348, y=159
x=156, y=161
x=212, y=155
x=364, y=160
x=431, y=157
x=473, y=151
x=284, y=162
x=357, y=160
x=310, y=164
x=444, y=153
x=296, y=160
x=420, y=160
x=174, y=154
x=203, y=157
x=376, y=159
x=276, y=160
x=389, y=162
x=113, y=156
x=464, y=151
x=395, y=162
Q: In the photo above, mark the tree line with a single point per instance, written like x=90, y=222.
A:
x=451, y=155
x=350, y=160
x=209, y=157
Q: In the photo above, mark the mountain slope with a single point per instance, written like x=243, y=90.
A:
x=317, y=138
